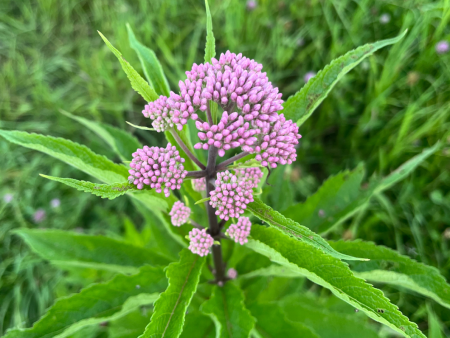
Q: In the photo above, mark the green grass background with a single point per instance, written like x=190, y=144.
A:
x=385, y=111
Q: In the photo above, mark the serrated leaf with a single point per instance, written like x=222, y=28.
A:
x=121, y=142
x=270, y=271
x=198, y=325
x=272, y=323
x=300, y=106
x=137, y=82
x=170, y=308
x=72, y=153
x=210, y=49
x=129, y=326
x=226, y=308
x=97, y=303
x=110, y=191
x=331, y=324
x=335, y=194
x=347, y=202
x=97, y=252
x=293, y=229
x=388, y=266
x=331, y=273
x=150, y=65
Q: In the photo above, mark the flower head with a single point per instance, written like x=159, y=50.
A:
x=7, y=198
x=179, y=213
x=232, y=273
x=240, y=231
x=230, y=197
x=55, y=203
x=159, y=168
x=252, y=175
x=442, y=47
x=199, y=184
x=200, y=241
x=39, y=215
x=308, y=76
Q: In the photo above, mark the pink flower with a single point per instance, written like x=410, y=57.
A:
x=200, y=242
x=158, y=168
x=199, y=184
x=179, y=214
x=240, y=231
x=253, y=175
x=442, y=47
x=230, y=197
x=39, y=215
x=232, y=273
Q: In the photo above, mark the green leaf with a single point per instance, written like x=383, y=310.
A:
x=140, y=127
x=311, y=313
x=346, y=201
x=72, y=153
x=331, y=273
x=203, y=200
x=170, y=308
x=150, y=65
x=97, y=303
x=210, y=49
x=198, y=325
x=121, y=142
x=97, y=252
x=272, y=323
x=388, y=266
x=129, y=326
x=110, y=191
x=335, y=194
x=300, y=106
x=137, y=82
x=226, y=308
x=293, y=229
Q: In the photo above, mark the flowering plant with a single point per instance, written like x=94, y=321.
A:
x=202, y=196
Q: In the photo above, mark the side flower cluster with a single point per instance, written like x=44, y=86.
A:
x=200, y=241
x=179, y=214
x=159, y=168
x=252, y=175
x=250, y=103
x=231, y=196
x=239, y=232
x=199, y=184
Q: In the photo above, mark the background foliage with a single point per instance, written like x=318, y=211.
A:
x=385, y=111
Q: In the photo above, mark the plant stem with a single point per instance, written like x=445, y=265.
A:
x=208, y=114
x=214, y=228
x=186, y=150
x=196, y=174
x=224, y=164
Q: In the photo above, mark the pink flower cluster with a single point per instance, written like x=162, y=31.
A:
x=231, y=196
x=240, y=231
x=179, y=214
x=200, y=241
x=250, y=103
x=199, y=184
x=252, y=175
x=158, y=168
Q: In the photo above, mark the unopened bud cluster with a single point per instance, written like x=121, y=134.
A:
x=159, y=168
x=239, y=232
x=179, y=214
x=200, y=242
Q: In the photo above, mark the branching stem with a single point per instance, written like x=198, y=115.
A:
x=224, y=164
x=186, y=150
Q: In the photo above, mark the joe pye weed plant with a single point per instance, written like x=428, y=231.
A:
x=223, y=263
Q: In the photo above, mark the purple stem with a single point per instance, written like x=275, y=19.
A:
x=196, y=174
x=186, y=150
x=224, y=164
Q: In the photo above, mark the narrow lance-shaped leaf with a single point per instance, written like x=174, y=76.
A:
x=170, y=308
x=137, y=82
x=227, y=310
x=72, y=153
x=331, y=273
x=210, y=52
x=340, y=197
x=388, y=266
x=293, y=229
x=272, y=323
x=150, y=65
x=97, y=252
x=96, y=304
x=110, y=191
x=300, y=106
x=123, y=143
x=140, y=127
